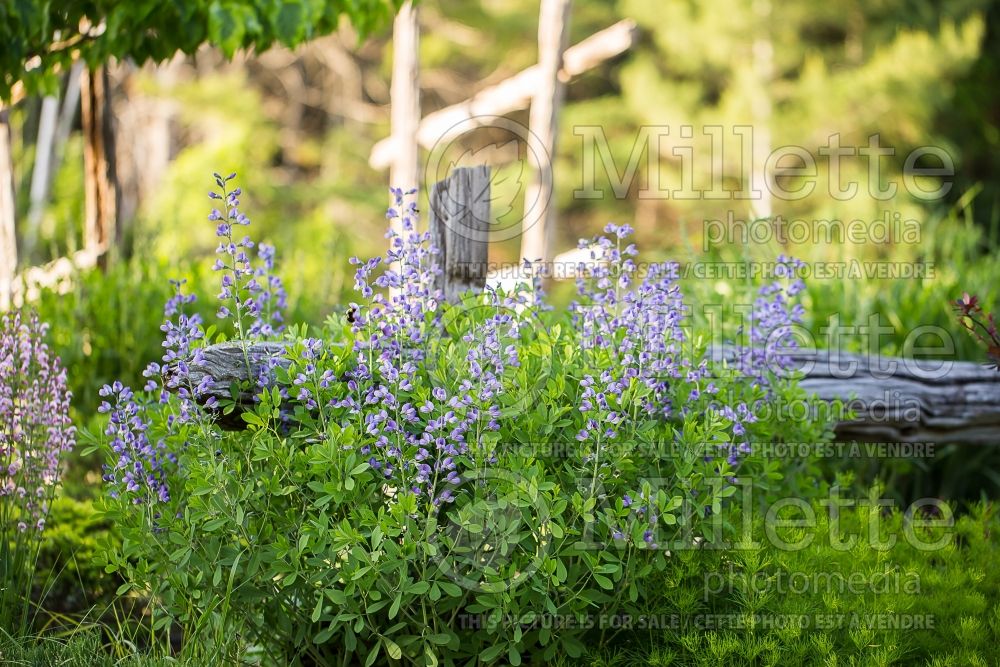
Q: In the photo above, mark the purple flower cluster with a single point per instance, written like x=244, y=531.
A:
x=632, y=333
x=270, y=299
x=492, y=349
x=35, y=427
x=423, y=437
x=180, y=333
x=394, y=324
x=310, y=385
x=138, y=471
x=252, y=296
x=769, y=333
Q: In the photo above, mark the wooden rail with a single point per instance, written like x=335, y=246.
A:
x=958, y=403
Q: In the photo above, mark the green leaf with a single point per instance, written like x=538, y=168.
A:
x=394, y=607
x=214, y=524
x=451, y=589
x=392, y=648
x=370, y=660
x=227, y=26
x=491, y=653
x=252, y=419
x=318, y=611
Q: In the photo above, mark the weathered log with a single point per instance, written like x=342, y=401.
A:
x=226, y=365
x=460, y=230
x=894, y=399
x=901, y=400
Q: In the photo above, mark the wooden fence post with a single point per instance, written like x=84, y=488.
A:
x=459, y=227
x=405, y=97
x=553, y=34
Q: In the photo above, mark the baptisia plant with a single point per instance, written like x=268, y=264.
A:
x=35, y=433
x=425, y=482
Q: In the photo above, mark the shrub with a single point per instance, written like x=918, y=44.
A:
x=423, y=463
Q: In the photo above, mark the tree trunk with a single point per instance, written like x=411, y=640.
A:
x=143, y=140
x=54, y=127
x=41, y=173
x=539, y=201
x=100, y=182
x=70, y=106
x=8, y=236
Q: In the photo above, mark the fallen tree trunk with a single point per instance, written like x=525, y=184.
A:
x=900, y=400
x=906, y=400
x=894, y=399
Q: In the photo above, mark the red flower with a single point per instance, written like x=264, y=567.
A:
x=967, y=304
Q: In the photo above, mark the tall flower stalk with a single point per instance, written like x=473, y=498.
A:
x=35, y=433
x=252, y=297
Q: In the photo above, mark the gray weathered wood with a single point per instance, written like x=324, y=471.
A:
x=460, y=230
x=226, y=364
x=511, y=94
x=539, y=219
x=905, y=401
